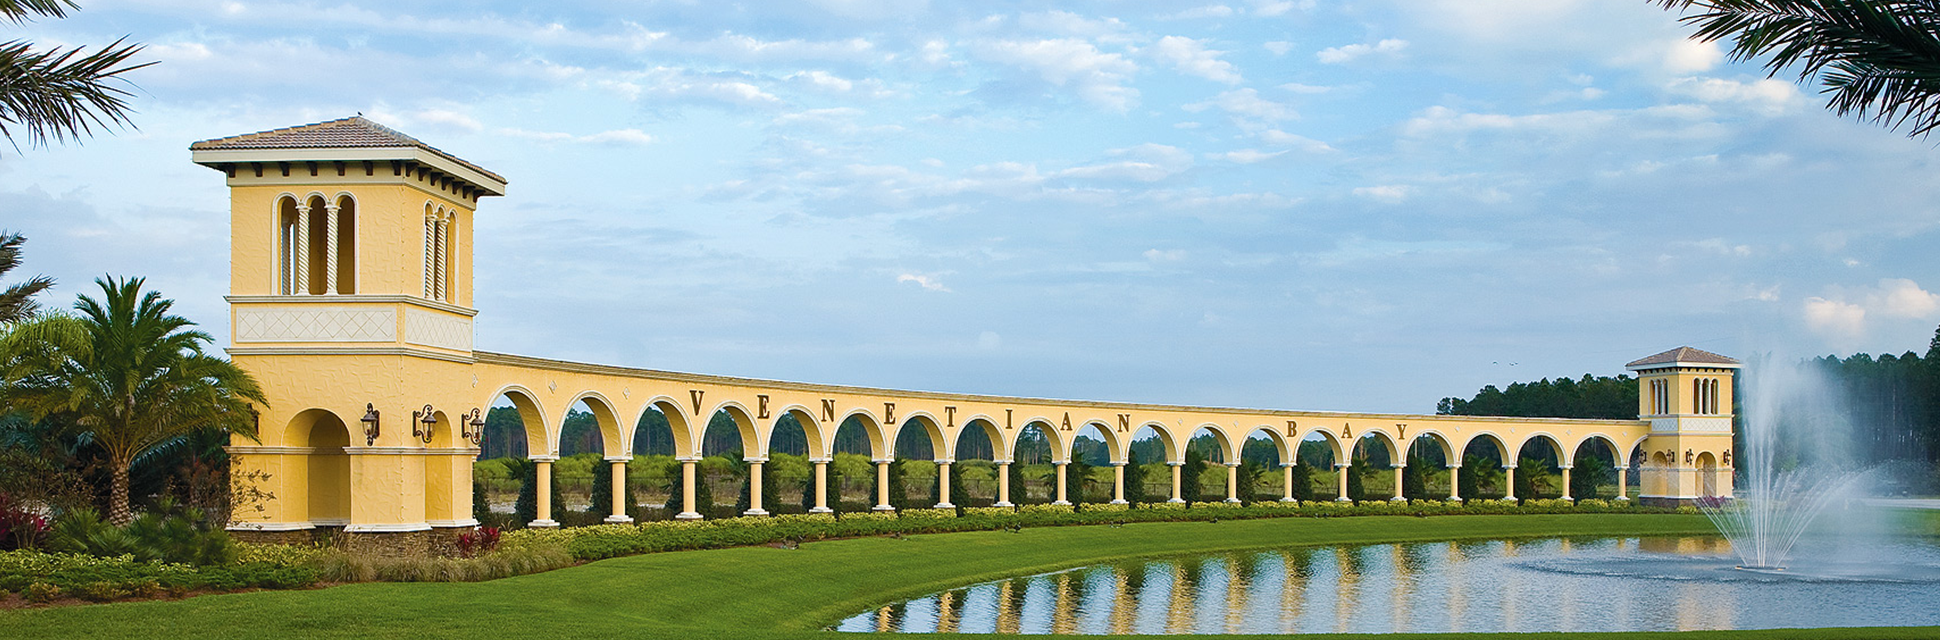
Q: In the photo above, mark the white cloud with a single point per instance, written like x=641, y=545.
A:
x=1191, y=57
x=1690, y=56
x=1843, y=314
x=1098, y=77
x=1765, y=96
x=1284, y=139
x=1720, y=247
x=1143, y=163
x=1249, y=156
x=1349, y=53
x=1071, y=24
x=1270, y=8
x=928, y=283
x=1166, y=255
x=615, y=137
x=1385, y=194
x=1207, y=11
x=1836, y=318
x=1279, y=47
x=668, y=84
x=1247, y=104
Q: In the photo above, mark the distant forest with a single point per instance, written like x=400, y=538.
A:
x=1890, y=403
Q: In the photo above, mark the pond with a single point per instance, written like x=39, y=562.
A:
x=1556, y=584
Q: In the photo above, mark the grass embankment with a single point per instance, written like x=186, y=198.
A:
x=763, y=592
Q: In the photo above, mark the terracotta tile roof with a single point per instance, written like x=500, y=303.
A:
x=1682, y=354
x=351, y=132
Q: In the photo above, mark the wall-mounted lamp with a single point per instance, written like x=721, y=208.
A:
x=422, y=423
x=370, y=424
x=472, y=426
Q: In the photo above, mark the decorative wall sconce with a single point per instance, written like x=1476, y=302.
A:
x=370, y=424
x=472, y=426
x=422, y=422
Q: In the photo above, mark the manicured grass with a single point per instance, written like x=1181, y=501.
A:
x=763, y=592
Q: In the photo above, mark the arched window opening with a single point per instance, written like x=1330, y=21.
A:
x=288, y=223
x=317, y=260
x=345, y=249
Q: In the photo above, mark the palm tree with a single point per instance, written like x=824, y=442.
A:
x=57, y=95
x=131, y=376
x=16, y=302
x=1880, y=59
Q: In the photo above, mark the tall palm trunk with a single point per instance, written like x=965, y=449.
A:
x=118, y=512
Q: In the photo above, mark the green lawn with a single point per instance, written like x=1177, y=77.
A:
x=774, y=593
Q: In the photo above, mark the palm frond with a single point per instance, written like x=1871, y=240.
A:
x=19, y=11
x=58, y=95
x=1878, y=60
x=16, y=301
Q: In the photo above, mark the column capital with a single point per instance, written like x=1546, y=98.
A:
x=688, y=459
x=820, y=460
x=945, y=460
x=331, y=209
x=754, y=459
x=1175, y=464
x=1061, y=462
x=1284, y=465
x=1002, y=461
x=543, y=458
x=1119, y=463
x=1397, y=466
x=1509, y=466
x=1230, y=464
x=618, y=458
x=883, y=460
x=1342, y=465
x=1564, y=466
x=1456, y=465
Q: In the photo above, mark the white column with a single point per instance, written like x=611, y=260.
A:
x=1003, y=484
x=1118, y=483
x=882, y=486
x=1060, y=465
x=543, y=519
x=1399, y=470
x=1623, y=481
x=943, y=484
x=1286, y=482
x=1509, y=479
x=330, y=249
x=754, y=487
x=1232, y=482
x=821, y=486
x=1454, y=483
x=687, y=479
x=619, y=489
x=1566, y=484
x=302, y=249
x=1340, y=476
x=1177, y=468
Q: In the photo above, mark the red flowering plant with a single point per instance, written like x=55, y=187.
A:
x=481, y=540
x=20, y=527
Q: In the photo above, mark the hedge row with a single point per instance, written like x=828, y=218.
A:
x=41, y=577
x=614, y=540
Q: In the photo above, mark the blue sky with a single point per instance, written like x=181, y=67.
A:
x=1311, y=205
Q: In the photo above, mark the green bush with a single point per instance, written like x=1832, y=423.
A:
x=168, y=534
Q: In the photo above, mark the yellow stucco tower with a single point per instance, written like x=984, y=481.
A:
x=351, y=283
x=1686, y=395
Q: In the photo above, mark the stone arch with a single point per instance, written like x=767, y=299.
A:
x=1555, y=446
x=819, y=445
x=879, y=448
x=754, y=442
x=1279, y=440
x=1223, y=441
x=1046, y=427
x=1440, y=440
x=1174, y=452
x=1335, y=447
x=325, y=485
x=287, y=251
x=540, y=439
x=316, y=254
x=613, y=439
x=1114, y=448
x=1582, y=451
x=1386, y=439
x=998, y=451
x=686, y=441
x=940, y=447
x=1490, y=439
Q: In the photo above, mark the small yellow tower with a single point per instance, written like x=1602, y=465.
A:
x=1686, y=395
x=351, y=300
